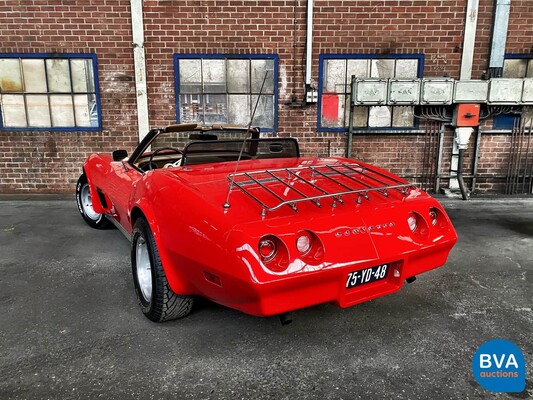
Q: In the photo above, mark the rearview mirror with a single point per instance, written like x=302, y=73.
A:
x=119, y=155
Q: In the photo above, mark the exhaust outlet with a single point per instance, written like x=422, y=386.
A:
x=411, y=279
x=285, y=319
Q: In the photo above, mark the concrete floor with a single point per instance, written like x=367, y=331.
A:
x=70, y=326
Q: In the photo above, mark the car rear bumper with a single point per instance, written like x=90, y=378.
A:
x=329, y=285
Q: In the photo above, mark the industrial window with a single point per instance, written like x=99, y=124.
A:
x=335, y=72
x=515, y=66
x=224, y=89
x=38, y=91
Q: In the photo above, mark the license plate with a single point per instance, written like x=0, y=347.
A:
x=368, y=275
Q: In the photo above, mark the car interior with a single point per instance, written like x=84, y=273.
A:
x=168, y=151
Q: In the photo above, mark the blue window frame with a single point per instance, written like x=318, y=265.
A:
x=334, y=77
x=49, y=92
x=224, y=89
x=515, y=66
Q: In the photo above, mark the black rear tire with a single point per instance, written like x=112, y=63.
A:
x=157, y=300
x=85, y=206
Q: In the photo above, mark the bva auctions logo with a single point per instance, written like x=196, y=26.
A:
x=499, y=366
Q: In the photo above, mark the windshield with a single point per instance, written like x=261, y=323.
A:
x=181, y=145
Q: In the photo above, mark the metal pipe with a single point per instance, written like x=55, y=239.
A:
x=425, y=157
x=309, y=43
x=530, y=188
x=510, y=159
x=439, y=159
x=349, y=139
x=524, y=188
x=460, y=174
x=516, y=178
x=434, y=139
x=467, y=58
x=476, y=160
x=499, y=34
x=139, y=60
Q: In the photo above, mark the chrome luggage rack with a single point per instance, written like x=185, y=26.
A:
x=296, y=185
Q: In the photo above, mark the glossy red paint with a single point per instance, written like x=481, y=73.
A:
x=212, y=251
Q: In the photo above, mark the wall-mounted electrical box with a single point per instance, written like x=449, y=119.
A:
x=437, y=91
x=527, y=92
x=505, y=91
x=311, y=96
x=471, y=91
x=404, y=92
x=370, y=91
x=466, y=115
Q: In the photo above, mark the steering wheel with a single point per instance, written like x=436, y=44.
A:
x=150, y=162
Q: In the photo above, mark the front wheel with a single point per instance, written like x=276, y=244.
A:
x=85, y=205
x=157, y=300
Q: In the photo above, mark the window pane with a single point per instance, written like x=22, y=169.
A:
x=238, y=76
x=379, y=116
x=259, y=69
x=13, y=111
x=330, y=109
x=406, y=68
x=360, y=117
x=403, y=116
x=335, y=76
x=333, y=108
x=90, y=76
x=10, y=79
x=34, y=75
x=190, y=76
x=382, y=68
x=62, y=110
x=264, y=114
x=191, y=109
x=82, y=111
x=38, y=111
x=58, y=76
x=514, y=68
x=79, y=75
x=215, y=109
x=239, y=109
x=214, y=75
x=358, y=67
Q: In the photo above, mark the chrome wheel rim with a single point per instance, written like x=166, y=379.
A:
x=87, y=203
x=144, y=273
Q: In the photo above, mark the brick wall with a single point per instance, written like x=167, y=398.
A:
x=51, y=161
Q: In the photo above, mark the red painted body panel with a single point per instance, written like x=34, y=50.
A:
x=198, y=237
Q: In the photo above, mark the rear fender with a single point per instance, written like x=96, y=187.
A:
x=175, y=279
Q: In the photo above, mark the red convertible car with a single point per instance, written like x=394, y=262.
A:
x=248, y=223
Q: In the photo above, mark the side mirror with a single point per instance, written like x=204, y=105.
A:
x=119, y=155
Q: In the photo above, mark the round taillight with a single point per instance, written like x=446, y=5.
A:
x=304, y=242
x=433, y=216
x=412, y=222
x=267, y=249
x=418, y=225
x=310, y=247
x=273, y=253
x=438, y=219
